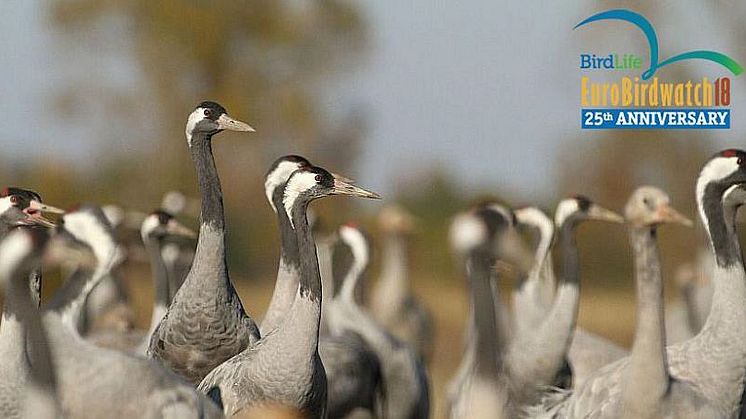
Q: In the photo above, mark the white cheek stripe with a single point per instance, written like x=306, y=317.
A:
x=194, y=118
x=88, y=230
x=150, y=224
x=297, y=184
x=466, y=233
x=536, y=218
x=357, y=243
x=565, y=209
x=5, y=204
x=735, y=194
x=716, y=169
x=13, y=248
x=280, y=175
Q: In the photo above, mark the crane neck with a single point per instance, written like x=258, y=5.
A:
x=721, y=344
x=543, y=254
x=288, y=271
x=209, y=266
x=208, y=180
x=325, y=250
x=487, y=345
x=33, y=336
x=394, y=275
x=302, y=322
x=648, y=359
x=171, y=254
x=289, y=255
x=352, y=280
x=719, y=220
x=556, y=330
x=10, y=326
x=310, y=278
x=543, y=248
x=12, y=336
x=70, y=300
x=160, y=281
x=570, y=256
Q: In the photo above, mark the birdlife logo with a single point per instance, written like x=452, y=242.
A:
x=641, y=100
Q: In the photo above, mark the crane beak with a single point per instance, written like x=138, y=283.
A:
x=343, y=178
x=666, y=214
x=342, y=187
x=225, y=122
x=34, y=214
x=600, y=213
x=177, y=229
x=38, y=206
x=36, y=219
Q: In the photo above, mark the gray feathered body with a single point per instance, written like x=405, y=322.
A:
x=706, y=371
x=200, y=331
x=273, y=371
x=393, y=304
x=206, y=323
x=353, y=372
x=97, y=383
x=589, y=352
x=14, y=369
x=284, y=368
x=405, y=379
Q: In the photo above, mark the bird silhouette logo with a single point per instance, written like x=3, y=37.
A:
x=647, y=29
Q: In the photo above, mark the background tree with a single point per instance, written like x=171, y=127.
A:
x=267, y=61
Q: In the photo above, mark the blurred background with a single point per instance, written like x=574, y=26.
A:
x=432, y=104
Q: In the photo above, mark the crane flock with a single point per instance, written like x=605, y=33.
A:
x=322, y=351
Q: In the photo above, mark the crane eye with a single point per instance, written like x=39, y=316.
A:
x=14, y=199
x=208, y=113
x=318, y=178
x=739, y=161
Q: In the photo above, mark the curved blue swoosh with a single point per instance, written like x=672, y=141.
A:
x=637, y=20
x=714, y=56
x=647, y=29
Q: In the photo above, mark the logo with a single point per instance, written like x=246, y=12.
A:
x=644, y=101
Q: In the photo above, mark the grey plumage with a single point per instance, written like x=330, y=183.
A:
x=404, y=377
x=158, y=230
x=288, y=271
x=37, y=393
x=206, y=323
x=589, y=352
x=108, y=309
x=18, y=389
x=533, y=298
x=480, y=388
x=393, y=304
x=354, y=380
x=352, y=369
x=534, y=294
x=94, y=382
x=687, y=314
x=535, y=360
x=14, y=367
x=284, y=367
x=707, y=371
x=178, y=256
